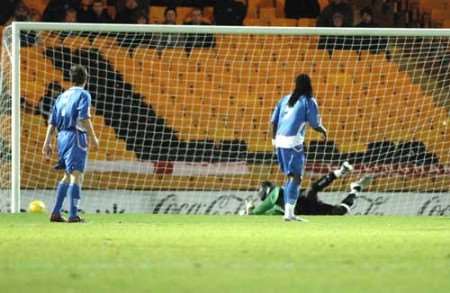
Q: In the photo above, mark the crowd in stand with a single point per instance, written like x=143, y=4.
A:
x=226, y=12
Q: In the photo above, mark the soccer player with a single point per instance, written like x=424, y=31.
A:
x=289, y=119
x=71, y=118
x=272, y=200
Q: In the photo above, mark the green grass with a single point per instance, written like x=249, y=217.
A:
x=150, y=253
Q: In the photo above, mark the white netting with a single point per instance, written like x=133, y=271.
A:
x=190, y=112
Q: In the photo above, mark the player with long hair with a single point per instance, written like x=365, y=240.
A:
x=289, y=120
x=70, y=117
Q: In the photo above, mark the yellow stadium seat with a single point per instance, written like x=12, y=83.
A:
x=75, y=43
x=104, y=43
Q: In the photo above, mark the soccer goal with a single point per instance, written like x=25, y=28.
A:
x=182, y=113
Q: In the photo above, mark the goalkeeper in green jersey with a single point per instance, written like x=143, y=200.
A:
x=272, y=199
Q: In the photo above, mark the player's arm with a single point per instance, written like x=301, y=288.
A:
x=314, y=118
x=274, y=120
x=268, y=205
x=85, y=119
x=47, y=148
x=87, y=124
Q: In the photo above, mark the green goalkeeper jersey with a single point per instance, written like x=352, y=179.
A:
x=269, y=205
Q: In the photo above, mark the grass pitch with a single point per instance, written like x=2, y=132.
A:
x=162, y=253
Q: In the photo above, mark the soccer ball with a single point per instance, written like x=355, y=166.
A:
x=36, y=206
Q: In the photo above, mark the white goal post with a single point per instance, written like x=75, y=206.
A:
x=195, y=104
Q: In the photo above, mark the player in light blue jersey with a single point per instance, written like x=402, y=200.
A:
x=289, y=120
x=70, y=117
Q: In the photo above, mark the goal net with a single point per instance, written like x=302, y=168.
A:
x=183, y=113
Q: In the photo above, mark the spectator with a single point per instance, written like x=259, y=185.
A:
x=141, y=18
x=56, y=9
x=23, y=13
x=132, y=40
x=168, y=40
x=331, y=43
x=170, y=16
x=85, y=12
x=302, y=9
x=8, y=8
x=111, y=9
x=100, y=13
x=129, y=12
x=366, y=18
x=336, y=6
x=198, y=40
x=373, y=44
x=45, y=105
x=71, y=15
x=229, y=12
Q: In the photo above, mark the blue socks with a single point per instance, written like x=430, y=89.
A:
x=61, y=191
x=74, y=198
x=290, y=192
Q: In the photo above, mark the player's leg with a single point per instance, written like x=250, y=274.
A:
x=75, y=165
x=355, y=188
x=291, y=191
x=325, y=181
x=293, y=161
x=74, y=193
x=61, y=192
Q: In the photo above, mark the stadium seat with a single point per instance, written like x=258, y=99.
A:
x=440, y=14
x=279, y=6
x=183, y=14
x=434, y=4
x=156, y=14
x=75, y=43
x=267, y=13
x=38, y=5
x=306, y=22
x=256, y=22
x=283, y=22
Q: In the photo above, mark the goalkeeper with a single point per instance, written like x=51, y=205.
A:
x=308, y=203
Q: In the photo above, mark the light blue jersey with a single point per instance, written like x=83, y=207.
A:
x=70, y=108
x=290, y=122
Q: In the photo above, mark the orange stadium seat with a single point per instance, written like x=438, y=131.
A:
x=434, y=4
x=283, y=22
x=156, y=14
x=279, y=6
x=183, y=14
x=256, y=22
x=306, y=22
x=38, y=5
x=267, y=13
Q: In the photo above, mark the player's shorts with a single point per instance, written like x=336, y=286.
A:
x=291, y=161
x=72, y=151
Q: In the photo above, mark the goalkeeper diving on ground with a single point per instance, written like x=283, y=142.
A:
x=308, y=202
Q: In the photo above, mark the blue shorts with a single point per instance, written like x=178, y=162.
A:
x=291, y=161
x=72, y=151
